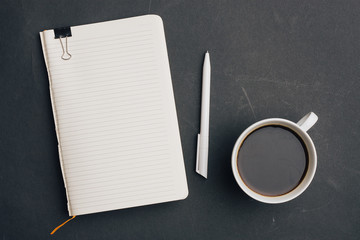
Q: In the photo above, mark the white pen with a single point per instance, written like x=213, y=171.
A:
x=203, y=137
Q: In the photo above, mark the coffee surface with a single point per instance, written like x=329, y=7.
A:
x=272, y=160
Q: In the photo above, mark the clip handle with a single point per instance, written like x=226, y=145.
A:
x=66, y=55
x=63, y=32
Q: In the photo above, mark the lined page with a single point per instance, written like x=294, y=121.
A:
x=115, y=116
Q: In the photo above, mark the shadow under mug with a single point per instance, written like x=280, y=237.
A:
x=300, y=128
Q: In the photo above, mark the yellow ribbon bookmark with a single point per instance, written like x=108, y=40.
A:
x=57, y=228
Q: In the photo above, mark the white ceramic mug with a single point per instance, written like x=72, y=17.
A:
x=300, y=128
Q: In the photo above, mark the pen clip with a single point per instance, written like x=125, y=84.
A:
x=201, y=162
x=198, y=154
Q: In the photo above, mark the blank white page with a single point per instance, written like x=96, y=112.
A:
x=115, y=115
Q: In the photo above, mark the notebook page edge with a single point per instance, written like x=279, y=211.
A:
x=53, y=108
x=161, y=28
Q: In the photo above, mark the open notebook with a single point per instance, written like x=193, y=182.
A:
x=115, y=116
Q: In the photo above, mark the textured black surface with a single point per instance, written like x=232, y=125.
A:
x=269, y=59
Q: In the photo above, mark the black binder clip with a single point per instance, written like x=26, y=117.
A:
x=63, y=32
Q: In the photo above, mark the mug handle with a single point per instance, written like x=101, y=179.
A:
x=307, y=121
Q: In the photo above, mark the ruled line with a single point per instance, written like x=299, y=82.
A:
x=140, y=177
x=115, y=172
x=116, y=66
x=104, y=128
x=90, y=143
x=118, y=159
x=114, y=120
x=94, y=80
x=94, y=77
x=148, y=165
x=106, y=114
x=139, y=195
x=123, y=79
x=114, y=96
x=129, y=169
x=121, y=98
x=136, y=101
x=104, y=45
x=101, y=73
x=129, y=184
x=123, y=155
x=135, y=50
x=112, y=147
x=115, y=59
x=115, y=132
x=100, y=127
x=119, y=88
x=115, y=192
x=121, y=57
x=104, y=52
x=114, y=140
x=80, y=42
x=131, y=202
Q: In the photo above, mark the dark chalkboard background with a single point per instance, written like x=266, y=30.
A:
x=269, y=59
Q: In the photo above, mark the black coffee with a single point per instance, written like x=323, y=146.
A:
x=272, y=160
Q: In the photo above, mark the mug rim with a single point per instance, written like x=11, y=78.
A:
x=309, y=175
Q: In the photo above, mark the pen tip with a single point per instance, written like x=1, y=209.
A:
x=207, y=51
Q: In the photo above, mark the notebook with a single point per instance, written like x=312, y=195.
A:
x=114, y=112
